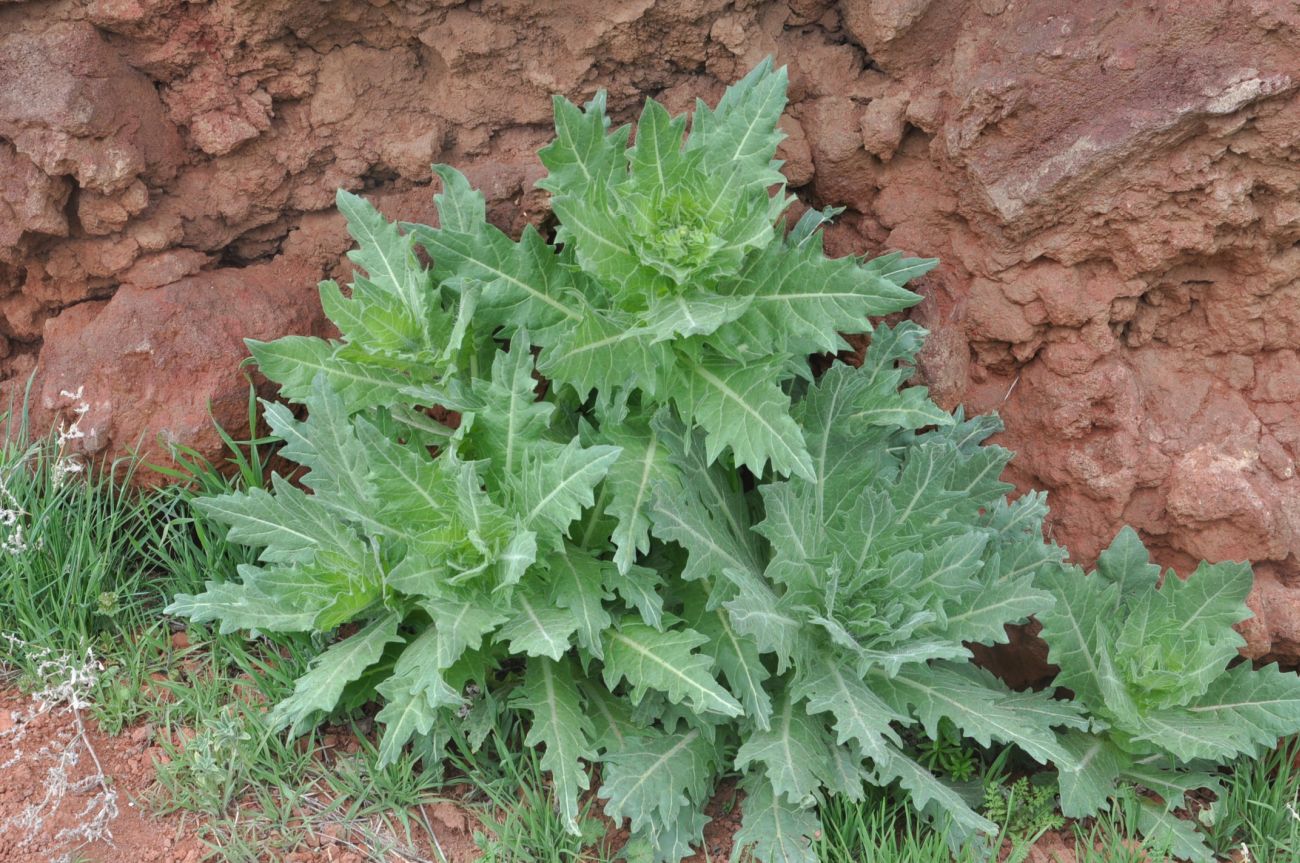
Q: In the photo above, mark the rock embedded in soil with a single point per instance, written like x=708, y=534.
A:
x=175, y=344
x=1112, y=190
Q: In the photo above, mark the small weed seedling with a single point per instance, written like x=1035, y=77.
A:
x=948, y=753
x=1023, y=812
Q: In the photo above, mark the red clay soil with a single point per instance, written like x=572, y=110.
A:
x=31, y=744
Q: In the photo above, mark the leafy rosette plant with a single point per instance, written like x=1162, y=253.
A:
x=1159, y=673
x=838, y=608
x=677, y=282
x=651, y=531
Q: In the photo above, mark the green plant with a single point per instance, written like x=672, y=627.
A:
x=947, y=752
x=1257, y=806
x=77, y=571
x=1022, y=808
x=881, y=830
x=207, y=771
x=1023, y=812
x=1156, y=670
x=1112, y=837
x=521, y=821
x=72, y=577
x=650, y=531
x=211, y=728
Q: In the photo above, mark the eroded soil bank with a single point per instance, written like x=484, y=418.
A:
x=1112, y=189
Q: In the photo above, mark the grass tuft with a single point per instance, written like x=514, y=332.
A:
x=1259, y=808
x=881, y=830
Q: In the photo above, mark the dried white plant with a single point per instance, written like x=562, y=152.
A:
x=13, y=518
x=66, y=682
x=66, y=462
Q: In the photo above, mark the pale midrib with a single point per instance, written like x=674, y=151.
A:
x=662, y=760
x=734, y=396
x=671, y=669
x=537, y=622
